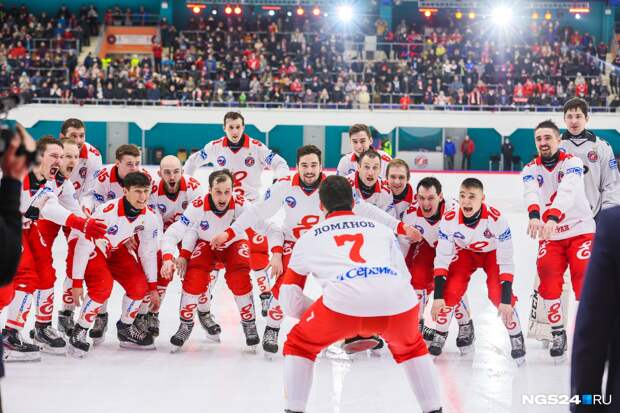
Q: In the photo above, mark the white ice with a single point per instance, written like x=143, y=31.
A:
x=225, y=378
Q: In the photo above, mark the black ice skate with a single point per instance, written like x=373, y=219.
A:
x=152, y=323
x=48, y=338
x=439, y=340
x=182, y=335
x=270, y=341
x=251, y=334
x=265, y=301
x=465, y=339
x=16, y=349
x=428, y=334
x=141, y=323
x=518, y=348
x=78, y=342
x=358, y=344
x=66, y=322
x=132, y=337
x=558, y=346
x=97, y=333
x=212, y=328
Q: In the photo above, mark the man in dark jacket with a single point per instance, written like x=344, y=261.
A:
x=507, y=149
x=597, y=329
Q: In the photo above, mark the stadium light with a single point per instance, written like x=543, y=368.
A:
x=578, y=16
x=501, y=15
x=237, y=10
x=535, y=15
x=458, y=15
x=316, y=11
x=345, y=13
x=471, y=15
x=228, y=10
x=271, y=13
x=289, y=14
x=548, y=15
x=214, y=12
x=300, y=11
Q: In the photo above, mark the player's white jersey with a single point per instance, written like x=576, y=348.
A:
x=246, y=164
x=59, y=195
x=559, y=192
x=85, y=173
x=358, y=263
x=381, y=197
x=600, y=177
x=120, y=228
x=170, y=209
x=201, y=220
x=429, y=230
x=348, y=164
x=490, y=233
x=107, y=187
x=402, y=205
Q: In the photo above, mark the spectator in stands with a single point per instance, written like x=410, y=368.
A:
x=507, y=150
x=449, y=151
x=467, y=149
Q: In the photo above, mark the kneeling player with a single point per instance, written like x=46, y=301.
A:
x=366, y=291
x=474, y=236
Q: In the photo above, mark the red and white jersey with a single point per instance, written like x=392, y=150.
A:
x=85, y=173
x=381, y=197
x=200, y=221
x=429, y=230
x=359, y=265
x=107, y=187
x=171, y=209
x=559, y=192
x=61, y=199
x=246, y=164
x=490, y=233
x=402, y=205
x=348, y=164
x=120, y=228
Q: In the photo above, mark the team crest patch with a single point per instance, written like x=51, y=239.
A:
x=184, y=204
x=419, y=228
x=560, y=176
x=113, y=230
x=592, y=156
x=162, y=208
x=290, y=201
x=459, y=235
x=540, y=180
x=249, y=161
x=562, y=149
x=83, y=171
x=221, y=161
x=138, y=229
x=204, y=225
x=488, y=234
x=111, y=195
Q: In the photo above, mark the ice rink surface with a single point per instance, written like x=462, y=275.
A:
x=224, y=377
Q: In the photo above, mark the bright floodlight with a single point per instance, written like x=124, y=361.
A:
x=345, y=13
x=501, y=15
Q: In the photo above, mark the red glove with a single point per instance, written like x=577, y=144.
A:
x=91, y=227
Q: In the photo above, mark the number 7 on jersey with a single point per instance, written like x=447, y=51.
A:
x=354, y=252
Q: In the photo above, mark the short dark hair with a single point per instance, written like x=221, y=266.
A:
x=359, y=127
x=336, y=194
x=234, y=116
x=138, y=179
x=308, y=150
x=396, y=162
x=472, y=183
x=576, y=103
x=46, y=140
x=71, y=123
x=429, y=182
x=548, y=124
x=370, y=153
x=128, y=149
x=220, y=176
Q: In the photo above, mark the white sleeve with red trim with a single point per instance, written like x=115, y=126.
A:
x=342, y=166
x=368, y=210
x=54, y=211
x=275, y=237
x=273, y=161
x=531, y=189
x=292, y=299
x=189, y=242
x=68, y=198
x=567, y=189
x=101, y=187
x=174, y=234
x=254, y=214
x=83, y=250
x=505, y=252
x=93, y=166
x=445, y=250
x=147, y=248
x=196, y=160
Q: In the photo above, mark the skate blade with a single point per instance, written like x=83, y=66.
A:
x=269, y=356
x=213, y=337
x=251, y=349
x=559, y=360
x=545, y=343
x=56, y=351
x=132, y=346
x=97, y=341
x=360, y=345
x=76, y=352
x=176, y=349
x=466, y=349
x=17, y=356
x=520, y=361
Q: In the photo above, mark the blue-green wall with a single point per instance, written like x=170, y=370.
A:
x=95, y=133
x=51, y=7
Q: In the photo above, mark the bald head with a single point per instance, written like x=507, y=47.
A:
x=171, y=171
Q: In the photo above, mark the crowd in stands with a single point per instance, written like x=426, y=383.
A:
x=287, y=60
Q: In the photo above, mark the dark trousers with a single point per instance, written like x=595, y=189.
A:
x=466, y=162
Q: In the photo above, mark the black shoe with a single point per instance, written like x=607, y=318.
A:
x=97, y=333
x=152, y=322
x=182, y=335
x=131, y=336
x=16, y=349
x=270, y=339
x=66, y=322
x=439, y=340
x=78, y=342
x=265, y=301
x=48, y=338
x=251, y=333
x=212, y=328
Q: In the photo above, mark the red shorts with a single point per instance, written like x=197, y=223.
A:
x=420, y=261
x=555, y=256
x=35, y=270
x=461, y=270
x=259, y=249
x=7, y=292
x=319, y=327
x=236, y=260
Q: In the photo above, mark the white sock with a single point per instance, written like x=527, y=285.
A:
x=130, y=309
x=554, y=313
x=145, y=305
x=188, y=306
x=444, y=319
x=161, y=291
x=67, y=297
x=204, y=302
x=298, y=372
x=245, y=304
x=461, y=311
x=17, y=314
x=44, y=301
x=90, y=309
x=423, y=300
x=514, y=327
x=262, y=280
x=424, y=382
x=274, y=314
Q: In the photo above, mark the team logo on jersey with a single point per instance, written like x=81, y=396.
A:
x=488, y=234
x=420, y=161
x=450, y=215
x=270, y=157
x=162, y=208
x=419, y=228
x=592, y=156
x=184, y=220
x=528, y=178
x=562, y=149
x=249, y=161
x=203, y=154
x=505, y=236
x=155, y=232
x=76, y=185
x=290, y=201
x=575, y=170
x=111, y=195
x=459, y=235
x=184, y=205
x=613, y=164
x=540, y=180
x=221, y=161
x=204, y=225
x=138, y=229
x=268, y=194
x=83, y=171
x=113, y=230
x=560, y=176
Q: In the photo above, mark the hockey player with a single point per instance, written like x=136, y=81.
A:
x=366, y=290
x=367, y=182
x=425, y=215
x=203, y=218
x=560, y=216
x=47, y=201
x=397, y=177
x=473, y=236
x=361, y=141
x=297, y=195
x=246, y=158
x=101, y=263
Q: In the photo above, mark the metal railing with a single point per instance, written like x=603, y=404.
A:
x=135, y=19
x=53, y=44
